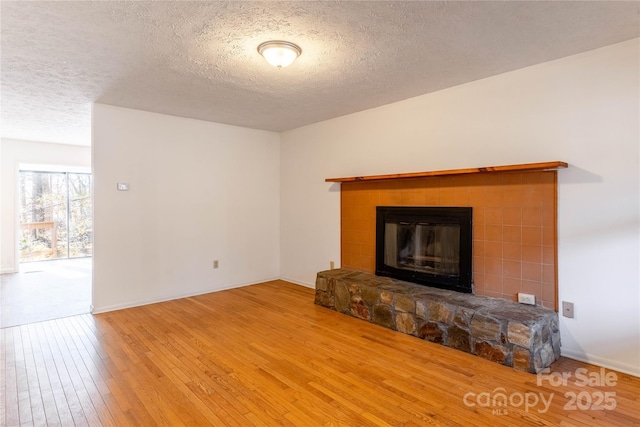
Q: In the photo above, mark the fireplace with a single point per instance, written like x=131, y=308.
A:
x=425, y=245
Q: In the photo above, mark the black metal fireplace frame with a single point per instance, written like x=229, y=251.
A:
x=461, y=216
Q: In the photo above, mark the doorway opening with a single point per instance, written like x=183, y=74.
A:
x=54, y=249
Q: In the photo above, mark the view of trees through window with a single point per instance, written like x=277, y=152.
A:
x=55, y=215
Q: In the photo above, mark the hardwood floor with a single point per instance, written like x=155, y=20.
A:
x=266, y=355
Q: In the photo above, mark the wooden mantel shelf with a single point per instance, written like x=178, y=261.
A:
x=488, y=169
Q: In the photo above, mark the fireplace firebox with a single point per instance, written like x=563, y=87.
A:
x=425, y=245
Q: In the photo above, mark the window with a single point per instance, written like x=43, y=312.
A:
x=55, y=215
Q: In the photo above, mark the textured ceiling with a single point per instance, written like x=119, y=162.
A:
x=199, y=59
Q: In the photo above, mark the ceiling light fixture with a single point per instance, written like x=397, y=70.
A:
x=279, y=53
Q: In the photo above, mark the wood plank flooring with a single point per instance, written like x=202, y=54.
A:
x=265, y=355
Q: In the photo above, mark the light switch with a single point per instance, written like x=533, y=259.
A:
x=123, y=186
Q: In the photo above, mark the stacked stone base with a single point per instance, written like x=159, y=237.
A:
x=522, y=336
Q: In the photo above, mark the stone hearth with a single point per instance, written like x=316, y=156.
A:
x=522, y=336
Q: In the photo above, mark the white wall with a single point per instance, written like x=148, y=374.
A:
x=581, y=109
x=199, y=191
x=38, y=155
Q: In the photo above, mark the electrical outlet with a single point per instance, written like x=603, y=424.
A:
x=526, y=298
x=332, y=265
x=215, y=263
x=567, y=309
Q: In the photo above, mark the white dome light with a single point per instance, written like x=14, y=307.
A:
x=279, y=53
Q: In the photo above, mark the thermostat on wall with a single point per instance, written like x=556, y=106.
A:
x=123, y=186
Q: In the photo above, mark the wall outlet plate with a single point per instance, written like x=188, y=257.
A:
x=123, y=186
x=567, y=309
x=526, y=298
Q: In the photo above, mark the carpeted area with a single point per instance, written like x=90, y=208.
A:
x=45, y=290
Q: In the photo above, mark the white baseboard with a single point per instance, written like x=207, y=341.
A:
x=600, y=361
x=298, y=282
x=106, y=309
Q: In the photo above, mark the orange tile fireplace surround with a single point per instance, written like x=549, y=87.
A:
x=514, y=222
